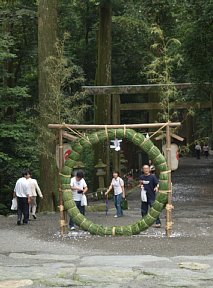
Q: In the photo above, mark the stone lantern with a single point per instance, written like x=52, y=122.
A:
x=101, y=172
x=78, y=166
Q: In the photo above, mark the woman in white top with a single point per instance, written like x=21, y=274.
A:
x=206, y=150
x=78, y=187
x=118, y=185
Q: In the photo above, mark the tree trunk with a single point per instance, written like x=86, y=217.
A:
x=47, y=36
x=103, y=77
x=211, y=135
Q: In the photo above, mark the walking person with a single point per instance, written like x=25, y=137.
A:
x=78, y=187
x=197, y=150
x=33, y=190
x=21, y=191
x=117, y=185
x=206, y=150
x=149, y=188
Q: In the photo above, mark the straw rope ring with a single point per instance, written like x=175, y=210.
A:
x=154, y=154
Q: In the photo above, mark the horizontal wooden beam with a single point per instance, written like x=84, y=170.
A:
x=146, y=125
x=69, y=136
x=132, y=89
x=179, y=138
x=157, y=106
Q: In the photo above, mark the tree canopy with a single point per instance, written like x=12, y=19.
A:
x=41, y=77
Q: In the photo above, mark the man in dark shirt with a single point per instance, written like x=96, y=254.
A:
x=149, y=183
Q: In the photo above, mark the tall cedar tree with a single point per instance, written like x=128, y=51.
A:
x=47, y=37
x=103, y=75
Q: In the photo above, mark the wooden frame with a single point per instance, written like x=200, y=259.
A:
x=63, y=134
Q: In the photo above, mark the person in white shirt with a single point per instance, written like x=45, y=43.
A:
x=206, y=150
x=118, y=185
x=21, y=191
x=33, y=191
x=197, y=150
x=78, y=187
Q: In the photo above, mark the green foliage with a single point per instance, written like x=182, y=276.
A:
x=4, y=210
x=65, y=104
x=165, y=57
x=17, y=132
x=141, y=52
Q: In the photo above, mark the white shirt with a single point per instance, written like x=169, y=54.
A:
x=205, y=148
x=34, y=188
x=198, y=147
x=21, y=188
x=116, y=184
x=79, y=184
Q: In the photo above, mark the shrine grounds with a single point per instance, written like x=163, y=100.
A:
x=37, y=256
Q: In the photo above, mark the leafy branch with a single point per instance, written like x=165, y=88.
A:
x=165, y=57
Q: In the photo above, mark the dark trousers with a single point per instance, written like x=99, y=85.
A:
x=197, y=153
x=145, y=207
x=206, y=153
x=23, y=208
x=81, y=209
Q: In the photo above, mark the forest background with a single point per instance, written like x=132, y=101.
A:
x=49, y=49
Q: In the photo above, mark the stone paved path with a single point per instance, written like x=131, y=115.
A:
x=36, y=256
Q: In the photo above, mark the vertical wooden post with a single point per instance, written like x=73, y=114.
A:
x=211, y=98
x=169, y=204
x=116, y=120
x=61, y=163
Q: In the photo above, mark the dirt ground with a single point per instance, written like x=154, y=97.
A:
x=192, y=235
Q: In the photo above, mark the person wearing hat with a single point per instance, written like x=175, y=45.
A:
x=152, y=169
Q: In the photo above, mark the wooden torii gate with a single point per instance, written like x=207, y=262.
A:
x=147, y=89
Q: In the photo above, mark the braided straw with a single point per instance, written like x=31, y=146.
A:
x=165, y=172
x=164, y=191
x=151, y=148
x=134, y=136
x=159, y=155
x=66, y=176
x=151, y=216
x=155, y=210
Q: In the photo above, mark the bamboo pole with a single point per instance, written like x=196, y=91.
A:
x=61, y=163
x=145, y=125
x=169, y=204
x=69, y=136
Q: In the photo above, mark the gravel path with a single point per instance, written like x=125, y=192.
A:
x=36, y=255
